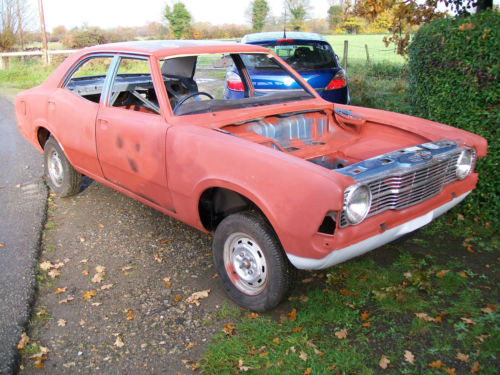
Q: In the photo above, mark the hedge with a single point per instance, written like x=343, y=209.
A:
x=454, y=79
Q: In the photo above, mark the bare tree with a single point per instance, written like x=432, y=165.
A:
x=14, y=19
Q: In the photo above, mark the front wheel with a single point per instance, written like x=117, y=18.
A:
x=250, y=261
x=61, y=177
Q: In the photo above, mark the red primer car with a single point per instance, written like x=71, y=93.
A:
x=284, y=180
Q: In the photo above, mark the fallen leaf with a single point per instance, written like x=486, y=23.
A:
x=82, y=322
x=292, y=348
x=253, y=316
x=310, y=344
x=1, y=245
x=88, y=294
x=118, y=342
x=130, y=315
x=39, y=362
x=425, y=317
x=303, y=355
x=85, y=272
x=276, y=340
x=177, y=298
x=196, y=296
x=241, y=367
x=95, y=304
x=58, y=265
x=409, y=357
x=450, y=371
x=189, y=345
x=342, y=334
x=463, y=357
x=350, y=305
x=45, y=266
x=229, y=328
x=61, y=323
x=442, y=273
x=60, y=290
x=365, y=315
x=41, y=312
x=308, y=280
x=384, y=361
x=346, y=292
x=463, y=274
x=126, y=268
x=264, y=354
x=469, y=249
x=292, y=315
x=303, y=299
x=66, y=300
x=100, y=269
x=436, y=364
x=481, y=338
x=297, y=329
x=53, y=273
x=84, y=261
x=475, y=367
x=23, y=341
x=98, y=277
x=157, y=258
x=43, y=351
x=366, y=324
x=469, y=321
x=106, y=286
x=82, y=239
x=167, y=282
x=307, y=371
x=460, y=217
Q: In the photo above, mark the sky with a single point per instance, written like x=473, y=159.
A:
x=113, y=13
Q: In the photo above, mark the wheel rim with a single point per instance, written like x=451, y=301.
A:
x=245, y=263
x=55, y=168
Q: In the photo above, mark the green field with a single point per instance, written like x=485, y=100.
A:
x=356, y=51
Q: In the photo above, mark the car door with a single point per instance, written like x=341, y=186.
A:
x=130, y=132
x=72, y=111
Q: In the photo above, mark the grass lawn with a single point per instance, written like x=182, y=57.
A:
x=424, y=305
x=356, y=52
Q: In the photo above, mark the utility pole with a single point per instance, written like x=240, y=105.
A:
x=44, y=34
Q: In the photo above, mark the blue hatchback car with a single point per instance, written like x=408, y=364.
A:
x=308, y=53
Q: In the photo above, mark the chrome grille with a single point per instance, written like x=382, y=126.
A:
x=407, y=188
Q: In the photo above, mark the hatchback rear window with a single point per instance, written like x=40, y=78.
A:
x=304, y=55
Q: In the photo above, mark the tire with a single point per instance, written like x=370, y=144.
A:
x=250, y=261
x=61, y=177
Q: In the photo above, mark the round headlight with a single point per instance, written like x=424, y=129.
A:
x=357, y=204
x=464, y=164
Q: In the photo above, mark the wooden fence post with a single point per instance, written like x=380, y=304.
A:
x=367, y=54
x=344, y=60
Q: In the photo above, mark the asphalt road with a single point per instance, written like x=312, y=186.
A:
x=23, y=197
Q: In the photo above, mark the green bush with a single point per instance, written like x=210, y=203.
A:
x=454, y=79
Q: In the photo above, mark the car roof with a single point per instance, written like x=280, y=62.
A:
x=275, y=35
x=162, y=48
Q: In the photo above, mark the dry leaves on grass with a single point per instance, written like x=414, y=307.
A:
x=241, y=367
x=469, y=321
x=229, y=328
x=442, y=273
x=303, y=355
x=436, y=364
x=53, y=273
x=45, y=266
x=196, y=296
x=409, y=357
x=40, y=357
x=307, y=371
x=23, y=341
x=365, y=315
x=475, y=367
x=384, y=362
x=450, y=371
x=253, y=315
x=463, y=357
x=292, y=315
x=342, y=334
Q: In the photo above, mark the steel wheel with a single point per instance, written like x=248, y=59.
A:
x=245, y=263
x=55, y=168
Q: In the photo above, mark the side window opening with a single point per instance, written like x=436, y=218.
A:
x=87, y=80
x=133, y=87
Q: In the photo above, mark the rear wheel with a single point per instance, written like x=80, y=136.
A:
x=250, y=261
x=61, y=177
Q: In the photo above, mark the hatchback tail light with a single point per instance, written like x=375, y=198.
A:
x=234, y=82
x=338, y=81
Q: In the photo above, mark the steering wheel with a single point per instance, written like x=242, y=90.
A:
x=188, y=96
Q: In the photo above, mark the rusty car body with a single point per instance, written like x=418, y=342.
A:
x=284, y=180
